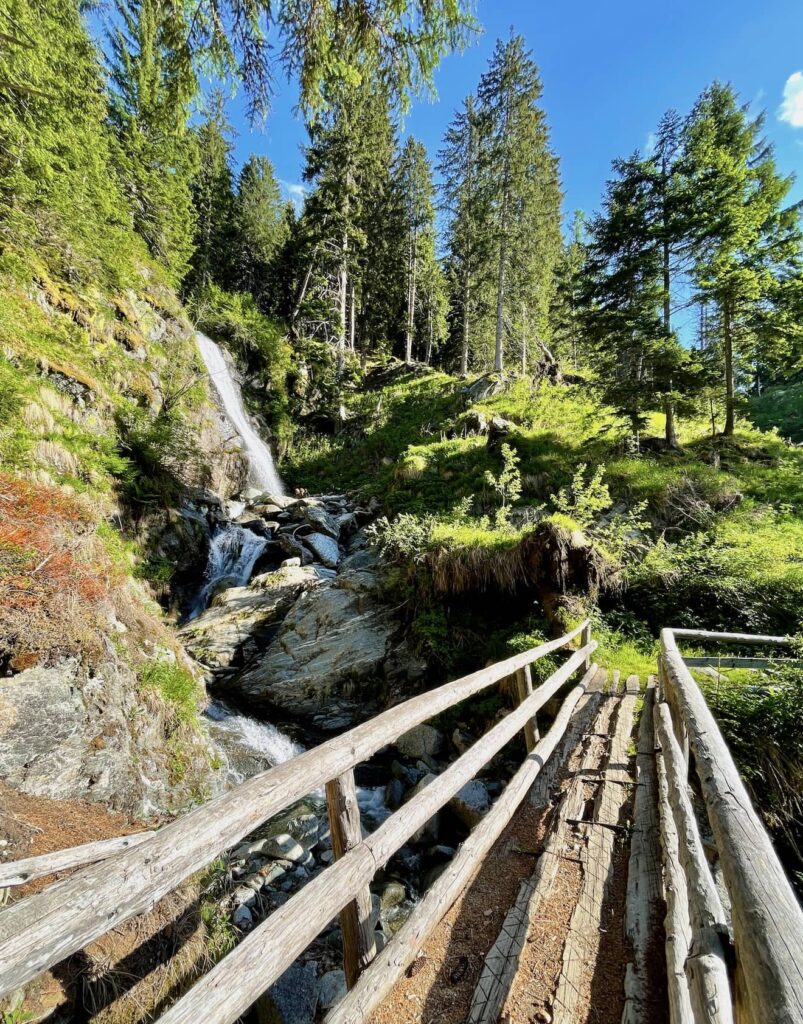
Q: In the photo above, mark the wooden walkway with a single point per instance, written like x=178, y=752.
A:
x=584, y=894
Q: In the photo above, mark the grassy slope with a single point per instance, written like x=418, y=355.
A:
x=726, y=517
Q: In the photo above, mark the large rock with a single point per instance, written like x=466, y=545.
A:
x=324, y=548
x=421, y=741
x=335, y=656
x=68, y=733
x=242, y=619
x=471, y=803
x=293, y=999
x=331, y=990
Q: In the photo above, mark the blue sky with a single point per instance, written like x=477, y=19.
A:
x=609, y=71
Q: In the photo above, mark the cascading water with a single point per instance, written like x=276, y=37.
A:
x=233, y=553
x=263, y=473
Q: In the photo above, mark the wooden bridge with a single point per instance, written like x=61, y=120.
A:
x=710, y=886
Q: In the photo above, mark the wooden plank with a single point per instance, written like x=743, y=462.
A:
x=45, y=928
x=18, y=872
x=676, y=923
x=524, y=687
x=584, y=927
x=387, y=968
x=502, y=960
x=767, y=919
x=706, y=967
x=233, y=985
x=633, y=684
x=737, y=638
x=359, y=939
x=644, y=881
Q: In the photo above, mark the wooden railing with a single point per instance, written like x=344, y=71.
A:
x=43, y=929
x=741, y=962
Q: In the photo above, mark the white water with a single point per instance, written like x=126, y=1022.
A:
x=263, y=473
x=233, y=552
x=263, y=742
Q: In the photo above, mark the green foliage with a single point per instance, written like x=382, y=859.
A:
x=221, y=937
x=583, y=501
x=158, y=448
x=507, y=484
x=780, y=406
x=175, y=685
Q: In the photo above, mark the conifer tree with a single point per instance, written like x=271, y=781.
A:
x=520, y=174
x=747, y=243
x=213, y=201
x=413, y=184
x=260, y=225
x=153, y=82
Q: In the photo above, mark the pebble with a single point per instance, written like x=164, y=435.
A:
x=243, y=918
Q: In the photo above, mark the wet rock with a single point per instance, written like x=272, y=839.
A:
x=392, y=895
x=366, y=558
x=394, y=793
x=292, y=999
x=334, y=657
x=471, y=803
x=423, y=740
x=331, y=989
x=320, y=520
x=242, y=618
x=323, y=548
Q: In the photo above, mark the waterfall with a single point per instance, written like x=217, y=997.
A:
x=263, y=473
x=232, y=555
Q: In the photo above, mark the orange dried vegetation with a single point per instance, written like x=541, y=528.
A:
x=54, y=573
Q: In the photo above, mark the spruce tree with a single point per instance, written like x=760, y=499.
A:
x=213, y=199
x=747, y=243
x=520, y=175
x=152, y=84
x=260, y=226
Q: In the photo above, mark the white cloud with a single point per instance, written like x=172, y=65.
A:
x=295, y=191
x=791, y=110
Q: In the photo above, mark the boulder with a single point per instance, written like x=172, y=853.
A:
x=242, y=917
x=334, y=657
x=292, y=999
x=243, y=618
x=331, y=989
x=281, y=847
x=320, y=520
x=421, y=741
x=324, y=548
x=471, y=803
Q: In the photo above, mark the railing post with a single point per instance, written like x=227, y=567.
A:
x=359, y=943
x=585, y=640
x=524, y=687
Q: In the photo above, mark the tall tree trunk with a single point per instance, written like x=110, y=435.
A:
x=428, y=356
x=727, y=327
x=464, y=352
x=671, y=432
x=499, y=353
x=343, y=293
x=352, y=315
x=411, y=287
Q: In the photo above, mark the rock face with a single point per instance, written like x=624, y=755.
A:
x=335, y=656
x=421, y=741
x=292, y=999
x=67, y=734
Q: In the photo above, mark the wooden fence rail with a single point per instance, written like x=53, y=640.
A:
x=766, y=976
x=43, y=929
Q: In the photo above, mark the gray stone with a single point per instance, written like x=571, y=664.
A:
x=471, y=803
x=331, y=989
x=421, y=741
x=243, y=896
x=334, y=657
x=366, y=558
x=462, y=740
x=282, y=847
x=320, y=520
x=242, y=917
x=394, y=793
x=392, y=895
x=290, y=563
x=292, y=999
x=324, y=548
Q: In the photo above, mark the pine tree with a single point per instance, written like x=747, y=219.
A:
x=747, y=244
x=520, y=174
x=462, y=197
x=413, y=183
x=565, y=314
x=261, y=226
x=153, y=82
x=213, y=201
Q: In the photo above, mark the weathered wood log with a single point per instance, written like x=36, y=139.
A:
x=387, y=968
x=47, y=927
x=676, y=923
x=767, y=919
x=609, y=805
x=233, y=985
x=359, y=941
x=706, y=968
x=502, y=960
x=644, y=885
x=728, y=661
x=736, y=638
x=524, y=687
x=18, y=872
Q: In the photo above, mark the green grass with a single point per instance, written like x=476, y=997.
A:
x=175, y=685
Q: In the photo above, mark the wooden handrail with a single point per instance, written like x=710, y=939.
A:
x=767, y=919
x=43, y=929
x=19, y=872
